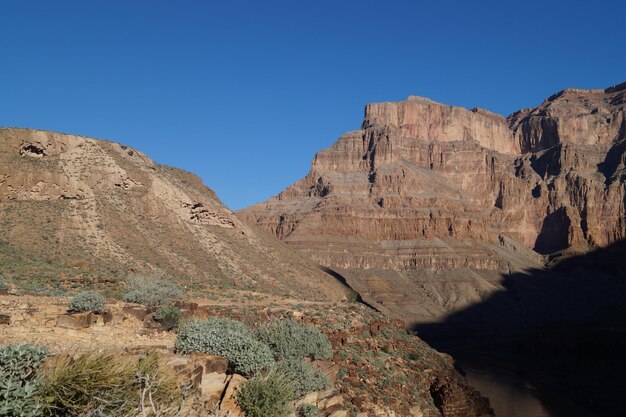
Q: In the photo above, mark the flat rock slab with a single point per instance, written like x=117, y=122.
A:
x=229, y=403
x=76, y=321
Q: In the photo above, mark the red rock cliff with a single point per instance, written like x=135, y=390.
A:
x=427, y=206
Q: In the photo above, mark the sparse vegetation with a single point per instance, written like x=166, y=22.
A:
x=168, y=316
x=229, y=338
x=303, y=379
x=152, y=291
x=19, y=383
x=308, y=410
x=94, y=384
x=290, y=339
x=87, y=301
x=265, y=396
x=3, y=285
x=414, y=355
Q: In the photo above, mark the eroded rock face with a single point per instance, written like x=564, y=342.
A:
x=73, y=205
x=586, y=117
x=427, y=206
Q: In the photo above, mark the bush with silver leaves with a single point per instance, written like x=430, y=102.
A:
x=87, y=301
x=152, y=292
x=168, y=316
x=19, y=380
x=229, y=338
x=290, y=339
x=302, y=377
x=265, y=396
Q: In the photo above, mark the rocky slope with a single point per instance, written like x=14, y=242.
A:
x=378, y=369
x=77, y=212
x=427, y=207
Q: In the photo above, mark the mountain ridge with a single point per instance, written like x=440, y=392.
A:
x=427, y=207
x=97, y=211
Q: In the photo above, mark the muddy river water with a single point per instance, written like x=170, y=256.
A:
x=512, y=395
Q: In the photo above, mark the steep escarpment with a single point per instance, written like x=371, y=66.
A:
x=76, y=211
x=427, y=207
x=585, y=117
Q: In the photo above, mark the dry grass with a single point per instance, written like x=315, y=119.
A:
x=95, y=383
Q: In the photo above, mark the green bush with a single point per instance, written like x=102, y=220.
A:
x=308, y=410
x=19, y=383
x=415, y=355
x=266, y=396
x=229, y=338
x=152, y=292
x=87, y=301
x=168, y=316
x=290, y=339
x=302, y=377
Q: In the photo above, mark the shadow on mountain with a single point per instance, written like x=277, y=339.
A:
x=562, y=328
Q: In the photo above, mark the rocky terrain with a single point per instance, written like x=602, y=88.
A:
x=77, y=212
x=378, y=369
x=82, y=214
x=428, y=208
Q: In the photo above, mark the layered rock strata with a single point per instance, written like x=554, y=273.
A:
x=427, y=207
x=80, y=211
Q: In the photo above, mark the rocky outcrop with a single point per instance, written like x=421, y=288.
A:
x=584, y=117
x=427, y=207
x=76, y=210
x=377, y=369
x=424, y=119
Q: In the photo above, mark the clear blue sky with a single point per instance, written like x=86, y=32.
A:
x=244, y=93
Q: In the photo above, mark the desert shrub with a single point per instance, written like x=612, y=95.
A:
x=3, y=284
x=168, y=316
x=87, y=301
x=229, y=338
x=308, y=410
x=290, y=339
x=265, y=396
x=302, y=377
x=19, y=383
x=152, y=292
x=160, y=391
x=95, y=383
x=415, y=355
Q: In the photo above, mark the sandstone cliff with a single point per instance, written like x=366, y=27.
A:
x=427, y=207
x=77, y=211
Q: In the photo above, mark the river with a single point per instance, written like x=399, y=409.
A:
x=509, y=380
x=512, y=395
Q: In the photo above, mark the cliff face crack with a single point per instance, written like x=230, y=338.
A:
x=615, y=158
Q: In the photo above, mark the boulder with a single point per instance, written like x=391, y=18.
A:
x=229, y=403
x=210, y=363
x=212, y=387
x=137, y=312
x=113, y=316
x=77, y=320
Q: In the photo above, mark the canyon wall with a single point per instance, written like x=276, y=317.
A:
x=427, y=207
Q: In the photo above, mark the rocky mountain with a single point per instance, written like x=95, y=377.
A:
x=76, y=212
x=427, y=208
